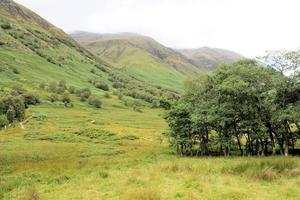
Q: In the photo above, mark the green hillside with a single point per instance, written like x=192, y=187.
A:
x=208, y=59
x=72, y=126
x=141, y=57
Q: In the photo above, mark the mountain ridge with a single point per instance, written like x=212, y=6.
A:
x=203, y=58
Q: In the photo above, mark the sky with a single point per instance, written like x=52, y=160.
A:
x=248, y=27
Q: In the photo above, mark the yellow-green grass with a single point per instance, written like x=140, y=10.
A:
x=143, y=168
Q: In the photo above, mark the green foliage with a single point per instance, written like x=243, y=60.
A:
x=15, y=70
x=242, y=106
x=3, y=121
x=6, y=26
x=94, y=101
x=66, y=99
x=13, y=107
x=30, y=99
x=107, y=95
x=53, y=98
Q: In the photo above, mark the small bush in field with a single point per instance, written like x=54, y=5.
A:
x=30, y=99
x=15, y=70
x=102, y=86
x=53, y=98
x=94, y=101
x=6, y=26
x=72, y=89
x=107, y=95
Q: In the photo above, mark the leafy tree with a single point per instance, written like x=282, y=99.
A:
x=241, y=106
x=3, y=121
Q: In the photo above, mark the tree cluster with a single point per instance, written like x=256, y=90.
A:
x=240, y=108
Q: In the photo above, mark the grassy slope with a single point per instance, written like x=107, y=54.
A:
x=209, y=58
x=141, y=57
x=49, y=160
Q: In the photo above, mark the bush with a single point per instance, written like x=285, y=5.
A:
x=13, y=107
x=53, y=97
x=15, y=70
x=85, y=94
x=107, y=95
x=17, y=90
x=66, y=99
x=30, y=99
x=53, y=87
x=3, y=121
x=42, y=85
x=6, y=26
x=102, y=86
x=10, y=114
x=94, y=101
x=164, y=103
x=72, y=89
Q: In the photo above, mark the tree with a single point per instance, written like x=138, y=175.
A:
x=94, y=101
x=282, y=60
x=3, y=121
x=241, y=106
x=66, y=99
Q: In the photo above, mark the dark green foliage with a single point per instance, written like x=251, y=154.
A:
x=42, y=85
x=165, y=103
x=243, y=107
x=10, y=114
x=53, y=98
x=72, y=89
x=53, y=87
x=107, y=95
x=85, y=94
x=13, y=107
x=30, y=99
x=66, y=99
x=94, y=101
x=6, y=26
x=101, y=85
x=15, y=70
x=3, y=121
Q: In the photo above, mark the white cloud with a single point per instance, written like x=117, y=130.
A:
x=246, y=26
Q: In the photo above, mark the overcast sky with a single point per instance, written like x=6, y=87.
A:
x=248, y=27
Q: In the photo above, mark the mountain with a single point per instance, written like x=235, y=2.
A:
x=207, y=58
x=140, y=56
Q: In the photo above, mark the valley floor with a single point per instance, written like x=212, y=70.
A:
x=52, y=158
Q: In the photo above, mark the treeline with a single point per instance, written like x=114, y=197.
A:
x=241, y=108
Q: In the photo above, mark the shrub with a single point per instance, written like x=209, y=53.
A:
x=164, y=103
x=42, y=85
x=17, y=90
x=3, y=121
x=72, y=89
x=53, y=87
x=94, y=101
x=107, y=95
x=102, y=86
x=10, y=114
x=6, y=26
x=85, y=94
x=93, y=71
x=30, y=99
x=62, y=84
x=120, y=96
x=53, y=97
x=66, y=99
x=13, y=107
x=15, y=70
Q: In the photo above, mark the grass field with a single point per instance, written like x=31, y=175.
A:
x=116, y=153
